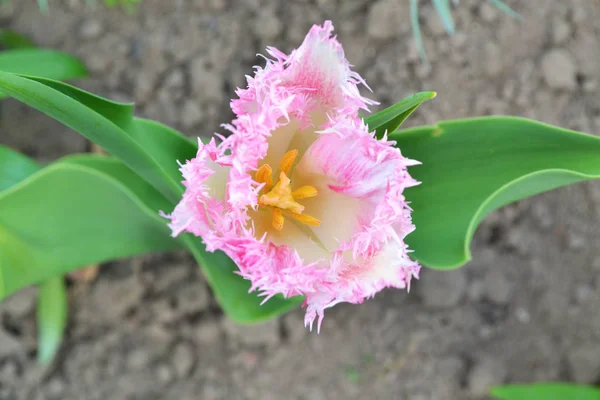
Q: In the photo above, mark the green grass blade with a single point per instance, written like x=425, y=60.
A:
x=546, y=391
x=443, y=9
x=506, y=9
x=416, y=28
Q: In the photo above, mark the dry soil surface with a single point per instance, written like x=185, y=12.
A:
x=525, y=309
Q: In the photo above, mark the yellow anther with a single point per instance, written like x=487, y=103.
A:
x=264, y=175
x=281, y=196
x=304, y=192
x=307, y=219
x=287, y=160
x=277, y=219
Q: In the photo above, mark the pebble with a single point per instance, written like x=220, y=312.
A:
x=20, y=303
x=90, y=29
x=442, y=289
x=138, y=358
x=124, y=294
x=522, y=315
x=386, y=19
x=10, y=345
x=192, y=298
x=208, y=332
x=559, y=70
x=488, y=12
x=584, y=362
x=484, y=374
x=183, y=359
x=497, y=288
x=561, y=31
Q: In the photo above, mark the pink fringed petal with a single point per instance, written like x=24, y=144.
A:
x=221, y=197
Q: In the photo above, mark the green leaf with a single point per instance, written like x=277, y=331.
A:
x=546, y=391
x=391, y=118
x=13, y=40
x=74, y=213
x=471, y=167
x=14, y=167
x=146, y=147
x=45, y=63
x=51, y=317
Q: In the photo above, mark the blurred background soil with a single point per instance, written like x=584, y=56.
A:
x=525, y=309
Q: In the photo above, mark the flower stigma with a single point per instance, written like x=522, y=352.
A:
x=279, y=197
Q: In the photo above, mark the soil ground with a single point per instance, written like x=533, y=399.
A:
x=525, y=309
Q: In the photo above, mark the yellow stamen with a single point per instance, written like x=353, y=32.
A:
x=277, y=219
x=307, y=219
x=304, y=192
x=280, y=196
x=287, y=160
x=264, y=175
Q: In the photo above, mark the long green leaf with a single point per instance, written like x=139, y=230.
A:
x=52, y=309
x=391, y=118
x=546, y=391
x=14, y=167
x=109, y=124
x=471, y=167
x=72, y=214
x=13, y=40
x=45, y=63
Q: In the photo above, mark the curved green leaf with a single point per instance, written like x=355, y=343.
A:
x=51, y=317
x=46, y=63
x=110, y=125
x=391, y=118
x=546, y=391
x=12, y=40
x=14, y=167
x=71, y=214
x=471, y=167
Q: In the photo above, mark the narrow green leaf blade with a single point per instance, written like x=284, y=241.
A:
x=546, y=391
x=93, y=117
x=13, y=40
x=506, y=9
x=14, y=167
x=443, y=9
x=45, y=63
x=391, y=118
x=416, y=28
x=87, y=217
x=52, y=309
x=471, y=167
